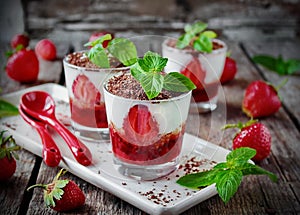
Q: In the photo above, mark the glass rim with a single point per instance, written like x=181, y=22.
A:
x=215, y=51
x=117, y=69
x=179, y=97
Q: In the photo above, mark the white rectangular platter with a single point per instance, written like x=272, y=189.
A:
x=161, y=196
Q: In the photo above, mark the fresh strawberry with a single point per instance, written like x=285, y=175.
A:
x=255, y=135
x=139, y=125
x=7, y=156
x=194, y=71
x=23, y=66
x=19, y=39
x=95, y=35
x=260, y=100
x=229, y=71
x=62, y=195
x=46, y=49
x=85, y=91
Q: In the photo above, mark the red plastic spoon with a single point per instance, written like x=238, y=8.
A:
x=51, y=153
x=40, y=105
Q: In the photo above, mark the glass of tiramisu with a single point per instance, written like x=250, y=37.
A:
x=200, y=56
x=85, y=73
x=147, y=111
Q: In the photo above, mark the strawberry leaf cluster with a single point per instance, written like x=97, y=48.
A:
x=148, y=71
x=122, y=49
x=196, y=36
x=8, y=146
x=227, y=176
x=278, y=65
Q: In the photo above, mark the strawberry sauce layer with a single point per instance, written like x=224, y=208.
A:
x=90, y=116
x=165, y=149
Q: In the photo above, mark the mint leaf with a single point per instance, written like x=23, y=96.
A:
x=98, y=56
x=124, y=50
x=196, y=36
x=177, y=82
x=152, y=62
x=251, y=169
x=228, y=182
x=148, y=72
x=240, y=156
x=198, y=180
x=7, y=109
x=203, y=44
x=227, y=175
x=152, y=84
x=278, y=65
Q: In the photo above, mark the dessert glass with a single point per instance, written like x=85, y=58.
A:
x=146, y=151
x=204, y=69
x=87, y=106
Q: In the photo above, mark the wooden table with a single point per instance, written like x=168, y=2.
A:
x=256, y=195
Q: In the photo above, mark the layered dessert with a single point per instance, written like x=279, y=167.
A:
x=84, y=81
x=204, y=69
x=144, y=132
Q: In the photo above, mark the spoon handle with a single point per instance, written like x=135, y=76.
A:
x=51, y=154
x=81, y=153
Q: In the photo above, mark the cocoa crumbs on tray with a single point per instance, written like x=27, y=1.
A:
x=125, y=85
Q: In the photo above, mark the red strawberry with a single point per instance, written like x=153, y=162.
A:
x=260, y=100
x=7, y=156
x=194, y=71
x=46, y=49
x=96, y=35
x=139, y=125
x=85, y=91
x=62, y=195
x=23, y=66
x=229, y=71
x=19, y=39
x=254, y=135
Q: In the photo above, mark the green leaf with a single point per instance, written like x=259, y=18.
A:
x=227, y=183
x=210, y=34
x=203, y=44
x=99, y=57
x=278, y=65
x=184, y=40
x=152, y=62
x=124, y=50
x=251, y=169
x=293, y=66
x=198, y=180
x=7, y=109
x=177, y=82
x=152, y=84
x=240, y=156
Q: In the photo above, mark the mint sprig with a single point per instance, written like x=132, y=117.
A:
x=278, y=65
x=121, y=48
x=7, y=109
x=196, y=36
x=227, y=176
x=149, y=72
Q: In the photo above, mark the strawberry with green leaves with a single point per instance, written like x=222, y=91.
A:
x=62, y=194
x=7, y=156
x=20, y=40
x=261, y=99
x=255, y=135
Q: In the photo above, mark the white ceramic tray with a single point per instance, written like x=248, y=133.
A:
x=163, y=196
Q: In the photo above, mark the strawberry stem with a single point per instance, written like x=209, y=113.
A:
x=37, y=185
x=278, y=87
